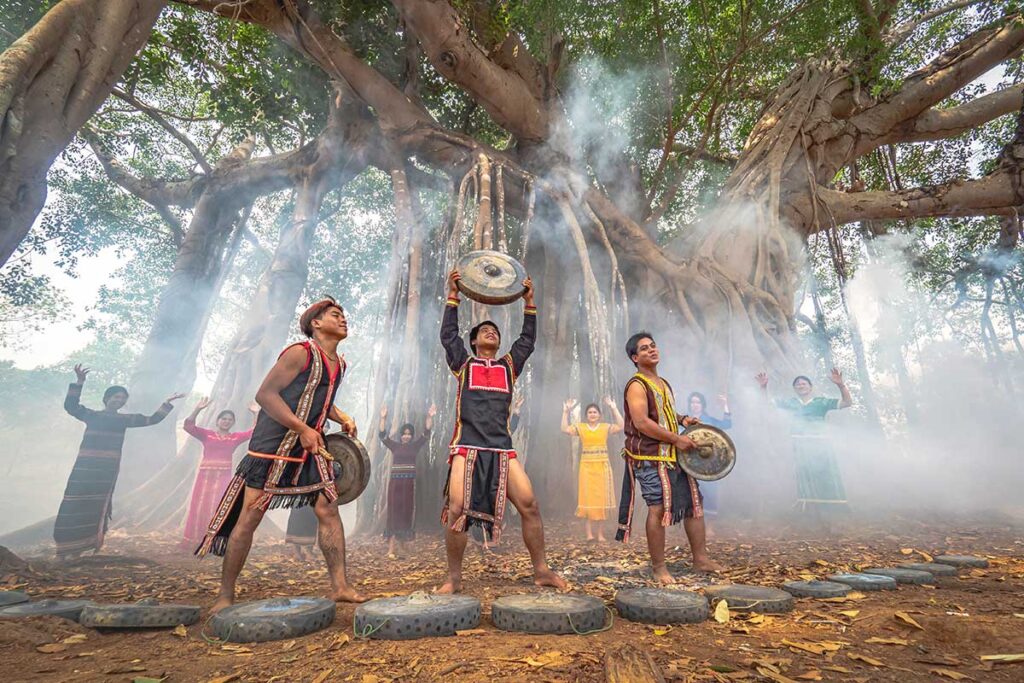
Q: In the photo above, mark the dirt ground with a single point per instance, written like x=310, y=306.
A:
x=947, y=627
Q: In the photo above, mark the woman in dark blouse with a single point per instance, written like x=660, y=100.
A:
x=401, y=503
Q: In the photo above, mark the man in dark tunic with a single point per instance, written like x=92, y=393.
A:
x=86, y=508
x=483, y=469
x=652, y=437
x=285, y=465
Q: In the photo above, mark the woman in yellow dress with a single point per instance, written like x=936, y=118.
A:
x=596, y=495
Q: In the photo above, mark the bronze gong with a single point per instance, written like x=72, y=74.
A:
x=714, y=456
x=351, y=465
x=491, y=277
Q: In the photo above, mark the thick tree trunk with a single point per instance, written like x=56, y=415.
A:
x=52, y=80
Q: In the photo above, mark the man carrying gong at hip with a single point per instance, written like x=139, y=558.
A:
x=652, y=437
x=483, y=469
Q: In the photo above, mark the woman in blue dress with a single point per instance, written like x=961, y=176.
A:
x=818, y=481
x=697, y=407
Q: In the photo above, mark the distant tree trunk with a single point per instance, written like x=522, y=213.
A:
x=162, y=500
x=52, y=80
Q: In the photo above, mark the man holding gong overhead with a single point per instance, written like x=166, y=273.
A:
x=483, y=469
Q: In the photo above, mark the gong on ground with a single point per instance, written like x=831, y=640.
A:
x=549, y=613
x=661, y=606
x=910, y=576
x=69, y=609
x=419, y=615
x=816, y=589
x=744, y=598
x=865, y=582
x=272, y=619
x=147, y=613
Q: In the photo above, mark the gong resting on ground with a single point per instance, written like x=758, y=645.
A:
x=351, y=465
x=146, y=613
x=714, y=456
x=273, y=619
x=418, y=615
x=549, y=613
x=491, y=277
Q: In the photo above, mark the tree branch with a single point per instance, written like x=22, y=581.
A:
x=504, y=93
x=992, y=195
x=152, y=113
x=896, y=36
x=949, y=72
x=938, y=124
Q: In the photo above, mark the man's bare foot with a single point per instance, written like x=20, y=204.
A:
x=450, y=587
x=347, y=595
x=661, y=575
x=706, y=564
x=546, y=577
x=220, y=604
x=602, y=539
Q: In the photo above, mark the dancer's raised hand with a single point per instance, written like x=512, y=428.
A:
x=203, y=403
x=568, y=405
x=836, y=377
x=453, y=284
x=80, y=373
x=762, y=379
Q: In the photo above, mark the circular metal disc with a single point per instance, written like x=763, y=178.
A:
x=962, y=560
x=146, y=613
x=69, y=609
x=549, y=613
x=419, y=615
x=273, y=619
x=901, y=575
x=8, y=598
x=865, y=582
x=354, y=462
x=713, y=458
x=744, y=598
x=662, y=606
x=816, y=589
x=491, y=277
x=933, y=568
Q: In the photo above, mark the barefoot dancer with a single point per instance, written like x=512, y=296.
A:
x=402, y=478
x=85, y=510
x=214, y=469
x=285, y=466
x=483, y=468
x=652, y=437
x=595, y=492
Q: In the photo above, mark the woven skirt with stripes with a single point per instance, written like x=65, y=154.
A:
x=84, y=514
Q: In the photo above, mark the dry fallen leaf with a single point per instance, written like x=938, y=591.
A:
x=322, y=676
x=812, y=675
x=949, y=673
x=888, y=641
x=546, y=659
x=77, y=638
x=342, y=639
x=662, y=631
x=471, y=632
x=906, y=551
x=180, y=631
x=722, y=611
x=840, y=669
x=756, y=619
x=771, y=675
x=52, y=648
x=907, y=619
x=225, y=679
x=1003, y=658
x=850, y=612
x=864, y=658
x=814, y=648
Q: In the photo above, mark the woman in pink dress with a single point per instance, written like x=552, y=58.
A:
x=215, y=469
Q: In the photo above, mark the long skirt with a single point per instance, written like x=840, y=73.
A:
x=401, y=507
x=211, y=481
x=819, y=483
x=302, y=526
x=709, y=489
x=596, y=492
x=85, y=511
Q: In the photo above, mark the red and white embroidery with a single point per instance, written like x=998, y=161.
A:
x=488, y=377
